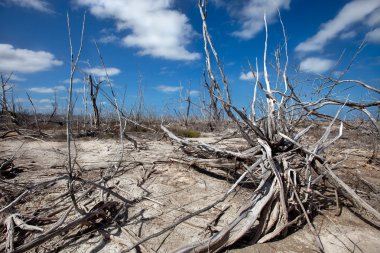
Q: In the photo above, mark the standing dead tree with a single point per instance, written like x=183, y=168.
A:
x=69, y=113
x=94, y=89
x=215, y=112
x=285, y=170
x=34, y=112
x=187, y=100
x=4, y=89
x=140, y=100
x=74, y=199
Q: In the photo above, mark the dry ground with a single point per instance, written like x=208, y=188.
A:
x=168, y=190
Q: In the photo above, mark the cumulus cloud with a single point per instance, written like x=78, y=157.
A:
x=248, y=76
x=48, y=90
x=100, y=72
x=348, y=35
x=168, y=89
x=155, y=28
x=14, y=78
x=45, y=100
x=79, y=90
x=374, y=36
x=39, y=5
x=8, y=86
x=374, y=18
x=194, y=93
x=17, y=78
x=316, y=65
x=337, y=73
x=352, y=13
x=21, y=100
x=75, y=80
x=250, y=14
x=25, y=60
x=110, y=38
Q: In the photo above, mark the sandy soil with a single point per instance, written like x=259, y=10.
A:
x=346, y=233
x=171, y=191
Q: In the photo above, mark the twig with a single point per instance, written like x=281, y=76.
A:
x=318, y=239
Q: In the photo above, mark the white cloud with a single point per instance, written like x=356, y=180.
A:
x=348, y=35
x=248, y=76
x=47, y=89
x=39, y=5
x=21, y=100
x=100, y=72
x=106, y=39
x=351, y=13
x=251, y=14
x=75, y=80
x=45, y=100
x=166, y=71
x=194, y=93
x=79, y=90
x=168, y=89
x=374, y=18
x=9, y=86
x=337, y=73
x=155, y=28
x=316, y=65
x=374, y=36
x=24, y=60
x=16, y=78
x=11, y=77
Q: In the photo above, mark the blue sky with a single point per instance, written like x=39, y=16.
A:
x=158, y=44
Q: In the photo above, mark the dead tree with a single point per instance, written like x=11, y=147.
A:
x=94, y=89
x=332, y=85
x=288, y=170
x=187, y=101
x=34, y=112
x=55, y=109
x=215, y=112
x=188, y=104
x=105, y=209
x=4, y=89
x=140, y=100
x=70, y=112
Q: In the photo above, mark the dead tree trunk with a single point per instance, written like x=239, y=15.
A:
x=34, y=112
x=214, y=110
x=4, y=89
x=188, y=103
x=4, y=106
x=94, y=89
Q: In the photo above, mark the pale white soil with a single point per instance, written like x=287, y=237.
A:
x=174, y=191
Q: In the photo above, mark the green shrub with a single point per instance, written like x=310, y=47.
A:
x=187, y=133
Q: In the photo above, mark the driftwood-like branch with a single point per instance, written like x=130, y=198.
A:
x=115, y=194
x=239, y=226
x=206, y=147
x=15, y=201
x=347, y=191
x=81, y=220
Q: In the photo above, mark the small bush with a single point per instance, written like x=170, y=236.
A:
x=187, y=133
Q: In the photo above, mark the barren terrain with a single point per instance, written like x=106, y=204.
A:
x=164, y=189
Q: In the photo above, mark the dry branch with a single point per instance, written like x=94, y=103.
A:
x=79, y=221
x=206, y=147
